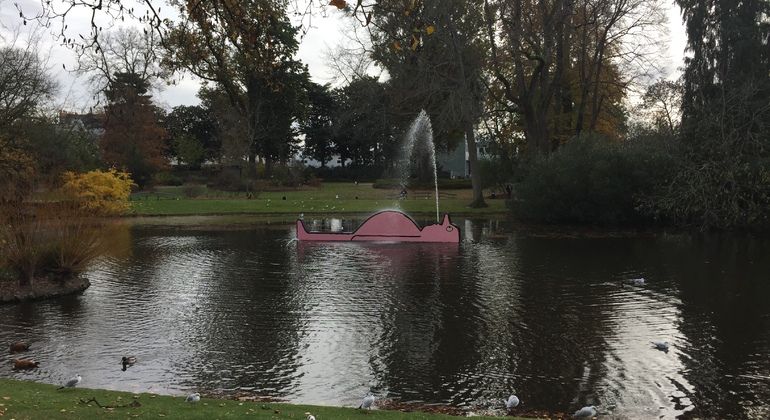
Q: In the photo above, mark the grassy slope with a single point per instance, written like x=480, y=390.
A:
x=171, y=201
x=28, y=400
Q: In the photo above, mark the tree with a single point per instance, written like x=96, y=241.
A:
x=192, y=134
x=123, y=51
x=565, y=66
x=363, y=130
x=24, y=84
x=246, y=49
x=58, y=147
x=722, y=178
x=663, y=103
x=318, y=123
x=17, y=174
x=434, y=54
x=133, y=137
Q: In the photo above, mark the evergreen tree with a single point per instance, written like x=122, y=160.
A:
x=133, y=137
x=724, y=176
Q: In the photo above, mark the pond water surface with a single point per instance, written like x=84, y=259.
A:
x=554, y=317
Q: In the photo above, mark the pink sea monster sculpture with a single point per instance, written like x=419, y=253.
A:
x=388, y=226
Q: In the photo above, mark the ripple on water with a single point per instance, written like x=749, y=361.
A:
x=556, y=319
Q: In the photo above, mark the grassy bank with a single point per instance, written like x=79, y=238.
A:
x=329, y=198
x=28, y=400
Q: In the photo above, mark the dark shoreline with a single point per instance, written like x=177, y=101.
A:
x=41, y=288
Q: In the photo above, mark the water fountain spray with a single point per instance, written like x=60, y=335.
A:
x=420, y=129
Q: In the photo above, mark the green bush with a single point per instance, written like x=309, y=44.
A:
x=167, y=178
x=594, y=180
x=193, y=190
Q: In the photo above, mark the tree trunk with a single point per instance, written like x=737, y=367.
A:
x=536, y=131
x=478, y=193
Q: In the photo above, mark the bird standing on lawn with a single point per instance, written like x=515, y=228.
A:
x=72, y=382
x=367, y=402
x=512, y=402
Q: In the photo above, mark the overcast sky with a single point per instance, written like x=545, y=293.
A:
x=323, y=34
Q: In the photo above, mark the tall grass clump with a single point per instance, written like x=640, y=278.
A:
x=51, y=240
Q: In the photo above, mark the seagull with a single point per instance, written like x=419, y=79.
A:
x=661, y=345
x=587, y=411
x=193, y=398
x=512, y=402
x=72, y=382
x=309, y=416
x=367, y=402
x=638, y=282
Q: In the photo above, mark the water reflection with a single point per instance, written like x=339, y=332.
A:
x=554, y=318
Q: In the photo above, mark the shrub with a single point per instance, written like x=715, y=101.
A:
x=99, y=192
x=50, y=240
x=193, y=190
x=17, y=170
x=443, y=184
x=167, y=178
x=593, y=180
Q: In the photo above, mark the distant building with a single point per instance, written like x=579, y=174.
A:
x=456, y=163
x=91, y=122
x=334, y=162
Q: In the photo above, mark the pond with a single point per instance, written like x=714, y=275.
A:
x=554, y=315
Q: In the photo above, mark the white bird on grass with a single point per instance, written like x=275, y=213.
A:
x=309, y=416
x=193, y=398
x=661, y=345
x=512, y=402
x=367, y=402
x=586, y=412
x=72, y=382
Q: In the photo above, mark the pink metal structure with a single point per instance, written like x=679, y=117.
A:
x=388, y=226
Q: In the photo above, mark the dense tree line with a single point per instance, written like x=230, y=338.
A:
x=545, y=84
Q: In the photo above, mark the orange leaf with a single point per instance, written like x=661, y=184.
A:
x=397, y=45
x=430, y=29
x=340, y=4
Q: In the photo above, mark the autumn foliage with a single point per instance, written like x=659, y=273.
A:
x=133, y=139
x=99, y=192
x=17, y=171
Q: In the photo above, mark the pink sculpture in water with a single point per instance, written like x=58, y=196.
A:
x=388, y=226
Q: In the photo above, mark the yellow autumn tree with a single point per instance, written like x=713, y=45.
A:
x=99, y=192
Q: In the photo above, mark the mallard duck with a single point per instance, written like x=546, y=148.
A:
x=19, y=347
x=25, y=364
x=128, y=361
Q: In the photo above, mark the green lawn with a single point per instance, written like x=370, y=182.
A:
x=28, y=400
x=330, y=198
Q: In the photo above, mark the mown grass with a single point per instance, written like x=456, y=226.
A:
x=28, y=400
x=329, y=198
